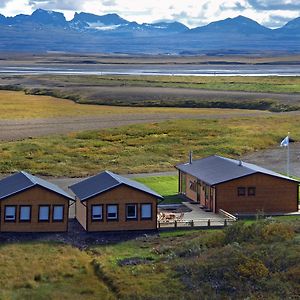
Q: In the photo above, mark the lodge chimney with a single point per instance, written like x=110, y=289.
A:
x=191, y=157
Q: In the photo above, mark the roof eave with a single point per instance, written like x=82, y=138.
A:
x=113, y=187
x=17, y=192
x=96, y=194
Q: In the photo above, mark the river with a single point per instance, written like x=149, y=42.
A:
x=155, y=69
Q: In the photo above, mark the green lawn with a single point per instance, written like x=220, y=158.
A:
x=141, y=148
x=167, y=186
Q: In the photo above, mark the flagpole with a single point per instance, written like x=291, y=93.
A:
x=288, y=156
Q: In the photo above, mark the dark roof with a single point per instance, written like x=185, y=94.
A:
x=105, y=181
x=22, y=181
x=217, y=169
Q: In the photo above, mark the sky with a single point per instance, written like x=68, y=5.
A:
x=193, y=13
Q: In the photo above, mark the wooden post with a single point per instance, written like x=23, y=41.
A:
x=208, y=223
x=225, y=222
x=192, y=223
x=175, y=224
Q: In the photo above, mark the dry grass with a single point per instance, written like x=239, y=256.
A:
x=144, y=148
x=17, y=105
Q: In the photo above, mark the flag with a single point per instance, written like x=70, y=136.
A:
x=285, y=142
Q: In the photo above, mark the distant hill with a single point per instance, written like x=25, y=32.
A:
x=238, y=25
x=50, y=31
x=292, y=27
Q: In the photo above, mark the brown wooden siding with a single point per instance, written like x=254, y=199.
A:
x=81, y=213
x=34, y=197
x=190, y=193
x=273, y=195
x=121, y=195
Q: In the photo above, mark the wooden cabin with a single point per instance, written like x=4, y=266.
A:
x=237, y=187
x=110, y=202
x=31, y=204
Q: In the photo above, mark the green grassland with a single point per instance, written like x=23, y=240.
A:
x=254, y=261
x=167, y=186
x=144, y=148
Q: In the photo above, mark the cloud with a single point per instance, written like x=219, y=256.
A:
x=193, y=13
x=3, y=3
x=109, y=3
x=275, y=4
x=57, y=4
x=276, y=21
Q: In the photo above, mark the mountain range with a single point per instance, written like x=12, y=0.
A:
x=50, y=31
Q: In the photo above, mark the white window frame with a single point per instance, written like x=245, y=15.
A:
x=13, y=219
x=22, y=207
x=135, y=208
x=62, y=207
x=147, y=217
x=115, y=218
x=48, y=217
x=98, y=216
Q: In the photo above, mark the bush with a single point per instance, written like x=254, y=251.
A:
x=275, y=232
x=253, y=269
x=260, y=231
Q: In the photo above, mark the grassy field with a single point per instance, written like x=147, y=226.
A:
x=144, y=148
x=35, y=270
x=166, y=186
x=254, y=261
x=18, y=105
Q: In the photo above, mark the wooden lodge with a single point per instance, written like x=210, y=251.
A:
x=31, y=204
x=237, y=187
x=110, y=202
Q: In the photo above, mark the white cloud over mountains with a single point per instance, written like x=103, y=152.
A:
x=271, y=13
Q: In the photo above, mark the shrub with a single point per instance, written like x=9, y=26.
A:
x=277, y=232
x=264, y=231
x=253, y=269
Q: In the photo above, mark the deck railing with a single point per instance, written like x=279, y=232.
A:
x=227, y=215
x=203, y=223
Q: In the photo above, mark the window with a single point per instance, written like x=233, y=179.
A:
x=146, y=211
x=131, y=211
x=10, y=213
x=97, y=214
x=193, y=185
x=112, y=212
x=241, y=191
x=251, y=191
x=25, y=213
x=44, y=211
x=58, y=213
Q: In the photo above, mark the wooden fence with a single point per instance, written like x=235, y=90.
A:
x=199, y=223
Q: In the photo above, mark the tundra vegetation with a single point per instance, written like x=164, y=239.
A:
x=255, y=260
x=144, y=148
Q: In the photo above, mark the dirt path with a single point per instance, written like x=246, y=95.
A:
x=20, y=129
